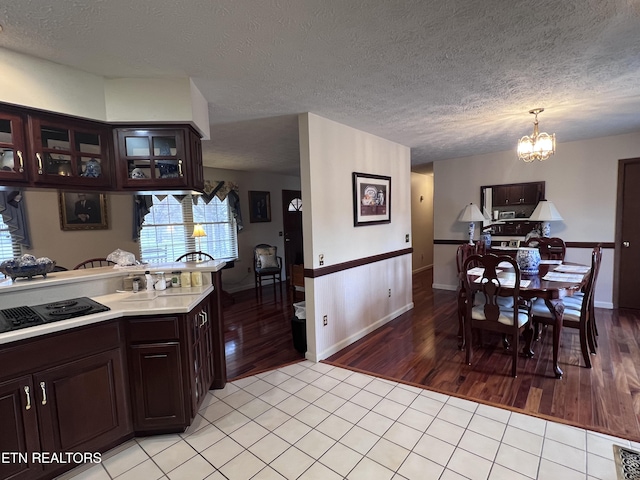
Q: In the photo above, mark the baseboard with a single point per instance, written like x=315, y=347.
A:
x=442, y=286
x=605, y=305
x=358, y=335
x=422, y=269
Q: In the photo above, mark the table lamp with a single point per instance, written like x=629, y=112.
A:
x=545, y=212
x=471, y=214
x=198, y=232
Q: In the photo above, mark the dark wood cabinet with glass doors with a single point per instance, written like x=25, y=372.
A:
x=157, y=157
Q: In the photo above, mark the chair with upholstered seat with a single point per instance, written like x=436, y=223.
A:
x=464, y=251
x=194, y=257
x=577, y=311
x=266, y=264
x=93, y=263
x=490, y=312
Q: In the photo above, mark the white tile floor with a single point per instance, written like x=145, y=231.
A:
x=314, y=421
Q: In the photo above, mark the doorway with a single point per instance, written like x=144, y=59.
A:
x=292, y=228
x=627, y=245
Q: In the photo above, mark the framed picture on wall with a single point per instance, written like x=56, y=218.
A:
x=83, y=211
x=259, y=206
x=371, y=199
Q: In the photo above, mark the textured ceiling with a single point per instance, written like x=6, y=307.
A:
x=448, y=78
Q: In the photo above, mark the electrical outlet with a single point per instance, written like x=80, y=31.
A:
x=321, y=258
x=389, y=293
x=325, y=322
x=406, y=238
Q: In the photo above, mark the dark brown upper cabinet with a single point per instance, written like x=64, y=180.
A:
x=70, y=153
x=43, y=149
x=13, y=148
x=518, y=194
x=157, y=157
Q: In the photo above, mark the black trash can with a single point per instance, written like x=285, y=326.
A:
x=299, y=330
x=299, y=327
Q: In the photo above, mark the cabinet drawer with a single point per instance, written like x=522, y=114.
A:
x=153, y=329
x=41, y=352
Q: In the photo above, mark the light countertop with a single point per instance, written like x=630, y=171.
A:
x=126, y=304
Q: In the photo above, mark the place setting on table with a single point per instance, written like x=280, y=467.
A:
x=544, y=285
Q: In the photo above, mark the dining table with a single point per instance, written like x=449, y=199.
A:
x=554, y=281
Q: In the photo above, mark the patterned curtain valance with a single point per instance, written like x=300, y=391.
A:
x=14, y=214
x=142, y=203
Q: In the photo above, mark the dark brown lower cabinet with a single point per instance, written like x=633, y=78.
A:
x=68, y=401
x=170, y=368
x=19, y=430
x=157, y=390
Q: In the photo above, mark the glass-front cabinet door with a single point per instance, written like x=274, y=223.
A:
x=152, y=157
x=70, y=153
x=12, y=148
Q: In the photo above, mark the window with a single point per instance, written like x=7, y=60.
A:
x=8, y=248
x=167, y=228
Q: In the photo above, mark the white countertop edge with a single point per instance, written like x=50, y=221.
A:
x=82, y=275
x=166, y=303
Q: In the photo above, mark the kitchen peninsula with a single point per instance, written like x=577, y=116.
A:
x=88, y=383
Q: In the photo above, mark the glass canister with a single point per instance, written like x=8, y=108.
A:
x=185, y=279
x=196, y=279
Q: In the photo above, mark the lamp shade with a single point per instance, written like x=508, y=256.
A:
x=471, y=213
x=545, y=212
x=198, y=231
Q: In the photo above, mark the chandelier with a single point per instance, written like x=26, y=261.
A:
x=538, y=146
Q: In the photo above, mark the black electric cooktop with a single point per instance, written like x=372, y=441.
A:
x=23, y=317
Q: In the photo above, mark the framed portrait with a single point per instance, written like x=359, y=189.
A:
x=371, y=199
x=507, y=215
x=83, y=211
x=514, y=243
x=259, y=206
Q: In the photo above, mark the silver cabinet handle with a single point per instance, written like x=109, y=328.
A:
x=203, y=318
x=626, y=244
x=180, y=167
x=160, y=355
x=44, y=393
x=21, y=169
x=206, y=316
x=26, y=392
x=39, y=157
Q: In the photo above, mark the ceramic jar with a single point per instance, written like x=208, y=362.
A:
x=528, y=259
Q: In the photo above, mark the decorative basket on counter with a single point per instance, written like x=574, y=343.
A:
x=27, y=266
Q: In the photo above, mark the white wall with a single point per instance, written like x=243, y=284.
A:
x=33, y=82
x=36, y=83
x=355, y=300
x=241, y=276
x=581, y=180
x=68, y=248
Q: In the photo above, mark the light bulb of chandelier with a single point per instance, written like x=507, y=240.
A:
x=538, y=146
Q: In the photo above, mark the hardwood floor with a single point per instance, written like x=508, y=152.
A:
x=258, y=333
x=420, y=348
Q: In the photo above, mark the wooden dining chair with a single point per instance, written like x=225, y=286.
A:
x=576, y=313
x=194, y=257
x=93, y=263
x=552, y=248
x=576, y=300
x=296, y=279
x=489, y=314
x=266, y=263
x=464, y=251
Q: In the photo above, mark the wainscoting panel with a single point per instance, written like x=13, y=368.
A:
x=356, y=301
